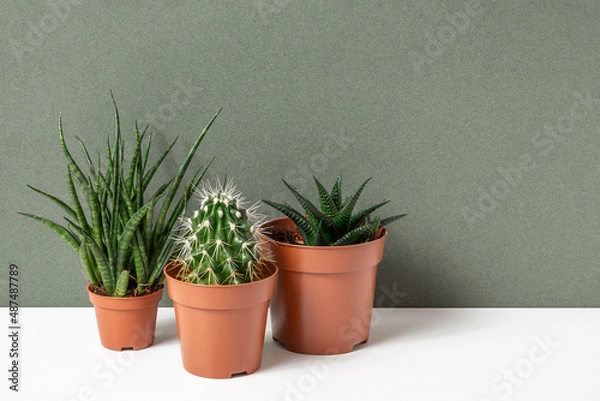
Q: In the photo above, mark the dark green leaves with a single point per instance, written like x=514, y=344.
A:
x=329, y=206
x=334, y=221
x=57, y=228
x=342, y=218
x=111, y=222
x=308, y=232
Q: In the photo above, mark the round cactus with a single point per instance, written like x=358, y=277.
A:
x=219, y=243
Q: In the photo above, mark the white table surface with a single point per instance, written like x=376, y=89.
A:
x=413, y=354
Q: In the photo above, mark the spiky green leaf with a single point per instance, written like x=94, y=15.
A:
x=336, y=192
x=391, y=219
x=76, y=203
x=128, y=232
x=328, y=205
x=92, y=169
x=342, y=219
x=150, y=173
x=77, y=172
x=57, y=228
x=68, y=209
x=84, y=257
x=314, y=214
x=354, y=236
x=181, y=172
x=106, y=273
x=358, y=218
x=309, y=234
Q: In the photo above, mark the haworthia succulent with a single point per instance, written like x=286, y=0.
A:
x=334, y=221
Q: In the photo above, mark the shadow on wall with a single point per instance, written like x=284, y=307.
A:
x=166, y=329
x=415, y=278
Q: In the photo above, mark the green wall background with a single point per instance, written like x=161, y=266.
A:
x=480, y=119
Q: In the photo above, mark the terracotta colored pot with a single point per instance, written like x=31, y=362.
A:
x=323, y=298
x=126, y=323
x=221, y=329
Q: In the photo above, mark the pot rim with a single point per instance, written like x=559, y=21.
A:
x=219, y=297
x=137, y=302
x=170, y=265
x=87, y=287
x=327, y=248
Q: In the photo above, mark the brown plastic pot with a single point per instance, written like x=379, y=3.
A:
x=126, y=323
x=221, y=329
x=323, y=298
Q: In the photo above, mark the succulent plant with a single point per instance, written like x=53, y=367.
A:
x=334, y=222
x=219, y=243
x=121, y=242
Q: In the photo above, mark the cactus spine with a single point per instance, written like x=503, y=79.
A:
x=218, y=244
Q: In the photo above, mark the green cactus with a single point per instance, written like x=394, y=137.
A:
x=219, y=244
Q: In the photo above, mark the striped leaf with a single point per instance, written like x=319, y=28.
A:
x=309, y=234
x=181, y=172
x=343, y=217
x=150, y=173
x=358, y=218
x=328, y=205
x=106, y=273
x=314, y=214
x=75, y=200
x=96, y=217
x=84, y=257
x=122, y=284
x=77, y=172
x=90, y=164
x=128, y=233
x=68, y=209
x=336, y=192
x=354, y=236
x=57, y=228
x=388, y=220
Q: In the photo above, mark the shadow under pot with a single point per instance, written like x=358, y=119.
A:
x=323, y=298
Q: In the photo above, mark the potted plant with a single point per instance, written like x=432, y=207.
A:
x=121, y=235
x=220, y=286
x=327, y=259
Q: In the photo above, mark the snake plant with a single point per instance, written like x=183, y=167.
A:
x=333, y=223
x=123, y=237
x=219, y=244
